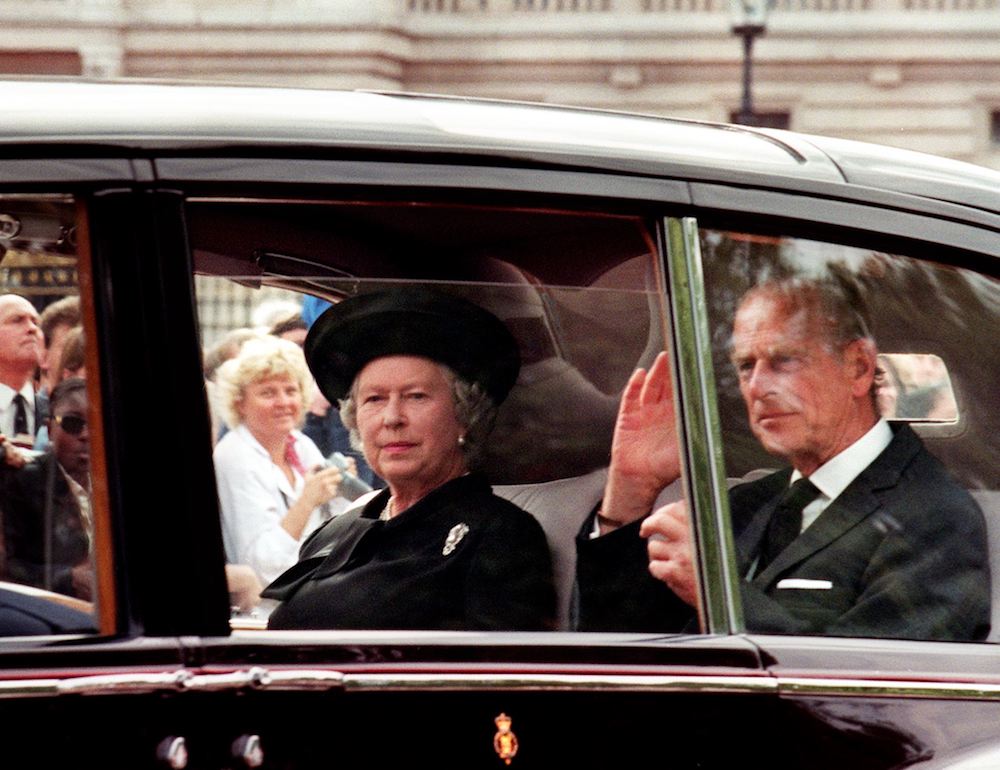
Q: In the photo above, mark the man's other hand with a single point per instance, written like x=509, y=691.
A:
x=668, y=530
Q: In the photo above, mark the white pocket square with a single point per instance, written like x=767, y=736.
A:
x=814, y=585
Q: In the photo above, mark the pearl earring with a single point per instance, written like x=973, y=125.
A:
x=461, y=440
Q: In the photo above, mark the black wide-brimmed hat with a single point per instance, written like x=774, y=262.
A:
x=411, y=321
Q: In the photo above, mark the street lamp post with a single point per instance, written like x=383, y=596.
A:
x=749, y=21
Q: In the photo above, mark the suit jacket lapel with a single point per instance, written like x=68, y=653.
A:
x=860, y=500
x=853, y=505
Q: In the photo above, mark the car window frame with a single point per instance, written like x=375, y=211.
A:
x=77, y=178
x=917, y=229
x=704, y=478
x=708, y=204
x=237, y=178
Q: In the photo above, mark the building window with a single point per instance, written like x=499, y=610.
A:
x=995, y=128
x=47, y=62
x=772, y=119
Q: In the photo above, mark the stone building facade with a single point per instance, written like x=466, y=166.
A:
x=920, y=74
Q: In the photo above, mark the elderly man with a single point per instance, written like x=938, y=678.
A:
x=865, y=534
x=20, y=354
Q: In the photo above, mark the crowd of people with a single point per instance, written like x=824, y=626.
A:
x=45, y=474
x=283, y=461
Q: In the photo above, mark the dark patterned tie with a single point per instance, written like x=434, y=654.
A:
x=20, y=416
x=786, y=521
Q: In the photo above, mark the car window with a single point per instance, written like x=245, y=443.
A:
x=581, y=292
x=54, y=533
x=900, y=543
x=915, y=387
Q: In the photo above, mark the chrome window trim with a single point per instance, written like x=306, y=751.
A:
x=561, y=682
x=259, y=678
x=694, y=385
x=886, y=688
x=318, y=680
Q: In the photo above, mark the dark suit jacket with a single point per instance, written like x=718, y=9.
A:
x=39, y=512
x=41, y=409
x=903, y=550
x=22, y=615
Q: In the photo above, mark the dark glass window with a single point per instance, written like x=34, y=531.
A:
x=54, y=530
x=582, y=293
x=771, y=119
x=923, y=367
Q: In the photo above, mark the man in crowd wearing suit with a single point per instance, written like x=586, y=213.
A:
x=864, y=535
x=21, y=413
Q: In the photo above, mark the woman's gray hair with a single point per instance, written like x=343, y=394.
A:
x=474, y=410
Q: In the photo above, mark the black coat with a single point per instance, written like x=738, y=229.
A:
x=41, y=514
x=461, y=559
x=901, y=553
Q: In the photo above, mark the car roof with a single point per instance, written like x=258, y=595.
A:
x=180, y=117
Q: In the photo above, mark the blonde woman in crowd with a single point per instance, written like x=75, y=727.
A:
x=274, y=489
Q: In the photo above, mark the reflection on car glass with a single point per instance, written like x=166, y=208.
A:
x=47, y=524
x=581, y=327
x=915, y=386
x=913, y=390
x=419, y=374
x=45, y=482
x=578, y=346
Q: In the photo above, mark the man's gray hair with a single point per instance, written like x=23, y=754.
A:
x=835, y=303
x=474, y=409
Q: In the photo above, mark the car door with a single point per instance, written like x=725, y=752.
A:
x=96, y=549
x=581, y=279
x=927, y=271
x=545, y=241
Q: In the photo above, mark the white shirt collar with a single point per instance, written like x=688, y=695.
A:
x=837, y=473
x=251, y=440
x=7, y=394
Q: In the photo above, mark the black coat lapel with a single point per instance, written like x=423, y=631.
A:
x=856, y=503
x=326, y=551
x=347, y=540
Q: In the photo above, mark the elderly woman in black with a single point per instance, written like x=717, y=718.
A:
x=419, y=375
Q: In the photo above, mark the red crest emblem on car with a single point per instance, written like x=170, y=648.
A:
x=504, y=742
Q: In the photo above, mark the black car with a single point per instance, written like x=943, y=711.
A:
x=173, y=212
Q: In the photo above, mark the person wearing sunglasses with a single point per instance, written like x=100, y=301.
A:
x=46, y=504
